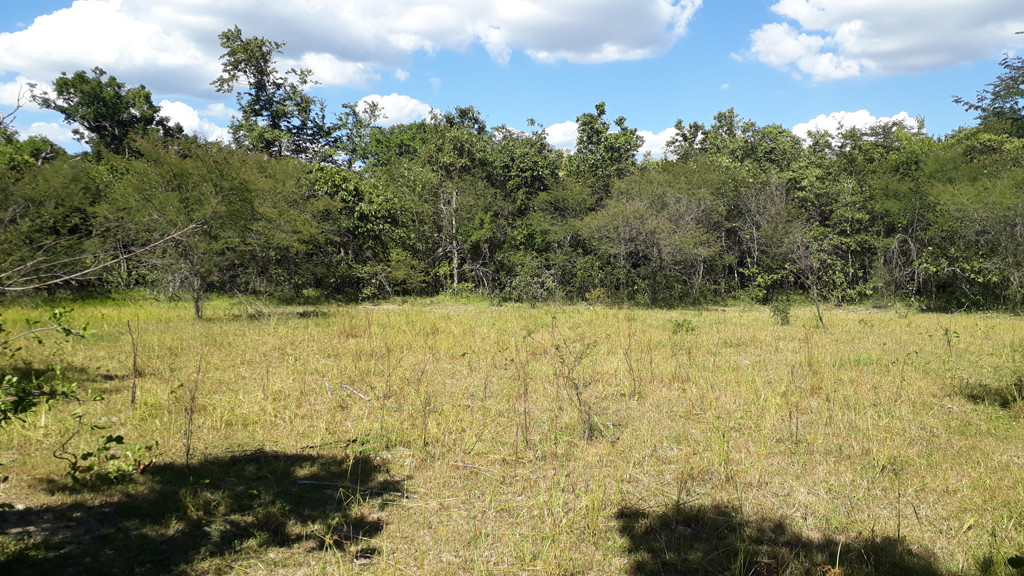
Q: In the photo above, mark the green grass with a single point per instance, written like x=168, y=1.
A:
x=516, y=439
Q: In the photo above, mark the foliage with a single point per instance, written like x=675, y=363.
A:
x=311, y=202
x=111, y=460
x=24, y=390
x=603, y=155
x=278, y=117
x=106, y=114
x=1000, y=106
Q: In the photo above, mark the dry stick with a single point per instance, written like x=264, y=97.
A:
x=135, y=366
x=353, y=390
x=246, y=304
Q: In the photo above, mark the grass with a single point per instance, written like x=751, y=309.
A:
x=441, y=438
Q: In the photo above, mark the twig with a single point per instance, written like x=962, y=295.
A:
x=35, y=330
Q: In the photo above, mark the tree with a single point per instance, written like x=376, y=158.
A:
x=247, y=212
x=278, y=117
x=1000, y=106
x=106, y=113
x=603, y=156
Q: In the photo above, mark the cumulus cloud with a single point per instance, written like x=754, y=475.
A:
x=172, y=46
x=328, y=69
x=17, y=92
x=835, y=39
x=836, y=122
x=191, y=121
x=58, y=133
x=397, y=108
x=563, y=135
x=654, y=144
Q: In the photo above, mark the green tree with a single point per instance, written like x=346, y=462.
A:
x=603, y=155
x=278, y=117
x=249, y=217
x=106, y=114
x=1000, y=106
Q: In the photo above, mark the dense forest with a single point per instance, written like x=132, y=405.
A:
x=309, y=203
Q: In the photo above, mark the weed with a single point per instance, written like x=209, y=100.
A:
x=780, y=308
x=683, y=326
x=111, y=460
x=949, y=336
x=638, y=354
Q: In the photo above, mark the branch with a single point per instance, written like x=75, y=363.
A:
x=79, y=274
x=33, y=331
x=8, y=118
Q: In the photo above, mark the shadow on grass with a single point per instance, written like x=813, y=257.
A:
x=203, y=518
x=1008, y=395
x=719, y=539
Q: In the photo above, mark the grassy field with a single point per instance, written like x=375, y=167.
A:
x=442, y=438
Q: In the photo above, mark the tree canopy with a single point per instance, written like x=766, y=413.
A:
x=306, y=203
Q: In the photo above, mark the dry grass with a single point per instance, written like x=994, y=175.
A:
x=719, y=442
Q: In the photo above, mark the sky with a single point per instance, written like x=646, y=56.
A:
x=799, y=63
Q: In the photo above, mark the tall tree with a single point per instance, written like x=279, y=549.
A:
x=1000, y=106
x=106, y=113
x=278, y=117
x=603, y=155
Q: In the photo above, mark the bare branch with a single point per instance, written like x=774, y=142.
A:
x=7, y=119
x=81, y=273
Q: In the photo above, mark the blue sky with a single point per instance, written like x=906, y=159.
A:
x=791, y=62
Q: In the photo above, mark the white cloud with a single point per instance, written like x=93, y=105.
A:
x=402, y=75
x=17, y=92
x=328, y=69
x=190, y=120
x=834, y=39
x=219, y=110
x=563, y=135
x=781, y=46
x=836, y=122
x=654, y=144
x=398, y=108
x=172, y=46
x=58, y=133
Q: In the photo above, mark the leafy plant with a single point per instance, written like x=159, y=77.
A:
x=112, y=460
x=780, y=308
x=683, y=326
x=18, y=395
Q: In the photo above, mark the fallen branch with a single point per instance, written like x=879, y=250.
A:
x=352, y=390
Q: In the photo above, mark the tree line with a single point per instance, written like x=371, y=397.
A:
x=308, y=203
